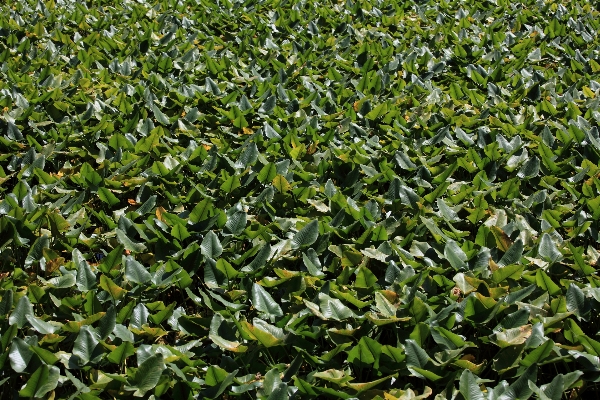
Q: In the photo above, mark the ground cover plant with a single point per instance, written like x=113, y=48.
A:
x=299, y=199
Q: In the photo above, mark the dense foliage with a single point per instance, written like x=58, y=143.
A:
x=299, y=199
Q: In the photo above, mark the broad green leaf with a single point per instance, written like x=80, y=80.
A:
x=236, y=222
x=86, y=279
x=307, y=235
x=520, y=389
x=20, y=354
x=179, y=232
x=85, y=344
x=468, y=386
x=415, y=355
x=267, y=173
x=538, y=354
x=513, y=255
x=107, y=323
x=268, y=105
x=230, y=184
x=511, y=337
x=312, y=263
x=46, y=356
x=211, y=246
x=365, y=278
x=41, y=326
x=248, y=157
x=546, y=283
x=21, y=312
x=120, y=354
x=231, y=345
x=281, y=184
x=202, y=211
x=136, y=272
x=147, y=375
x=367, y=351
x=576, y=300
x=455, y=255
x=115, y=291
x=107, y=196
x=334, y=308
x=548, y=249
x=42, y=381
x=362, y=387
x=266, y=334
x=128, y=243
x=263, y=302
x=36, y=251
x=259, y=260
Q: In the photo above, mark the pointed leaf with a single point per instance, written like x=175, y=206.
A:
x=211, y=246
x=307, y=235
x=263, y=302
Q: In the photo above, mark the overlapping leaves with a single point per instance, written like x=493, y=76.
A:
x=271, y=200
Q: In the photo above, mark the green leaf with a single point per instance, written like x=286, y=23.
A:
x=6, y=303
x=46, y=356
x=468, y=386
x=121, y=353
x=281, y=184
x=115, y=291
x=135, y=272
x=230, y=184
x=530, y=168
x=35, y=253
x=263, y=302
x=268, y=105
x=312, y=263
x=108, y=197
x=455, y=255
x=364, y=278
x=226, y=269
x=307, y=235
x=236, y=223
x=248, y=156
x=268, y=335
x=367, y=351
x=211, y=246
x=576, y=300
x=86, y=279
x=415, y=355
x=513, y=271
x=23, y=310
x=538, y=354
x=520, y=389
x=128, y=243
x=147, y=375
x=267, y=173
x=107, y=324
x=91, y=178
x=513, y=255
x=546, y=283
x=231, y=345
x=180, y=232
x=334, y=308
x=377, y=112
x=259, y=260
x=202, y=211
x=548, y=249
x=42, y=381
x=85, y=344
x=42, y=326
x=20, y=354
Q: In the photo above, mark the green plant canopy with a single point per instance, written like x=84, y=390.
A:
x=355, y=199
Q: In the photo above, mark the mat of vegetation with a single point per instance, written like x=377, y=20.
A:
x=299, y=199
